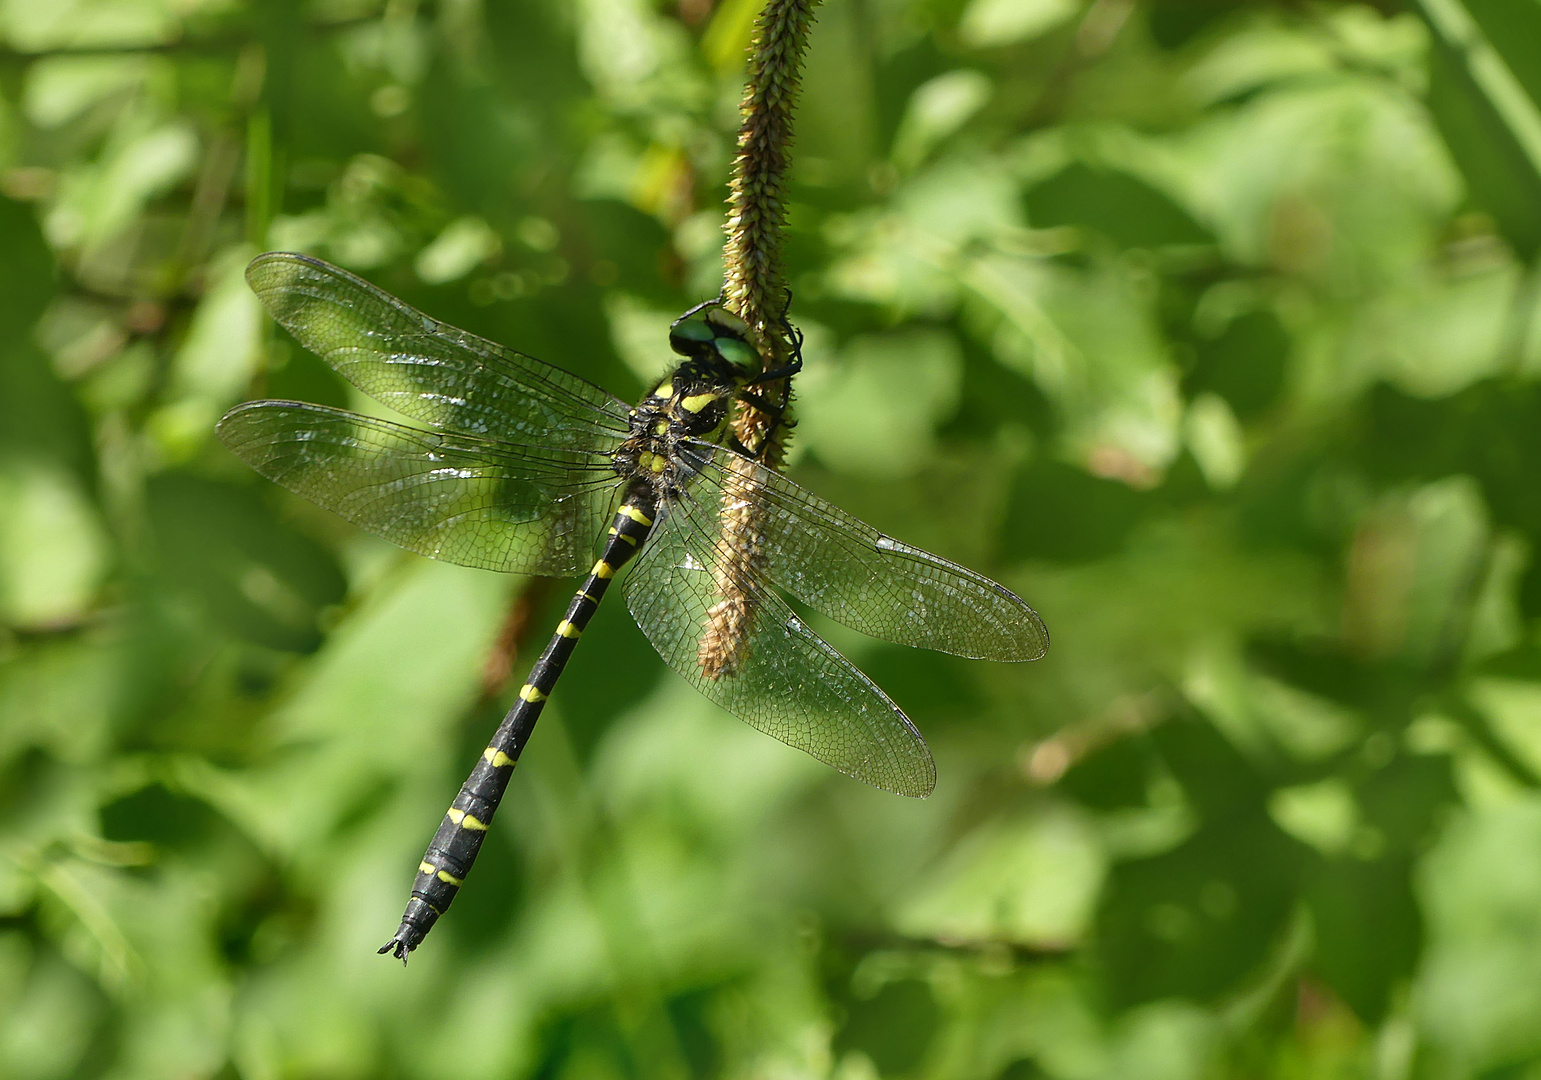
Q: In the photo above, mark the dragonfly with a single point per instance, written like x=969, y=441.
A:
x=523, y=467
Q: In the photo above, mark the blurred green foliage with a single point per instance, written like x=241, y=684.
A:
x=1208, y=327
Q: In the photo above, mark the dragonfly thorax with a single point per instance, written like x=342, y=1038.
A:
x=692, y=402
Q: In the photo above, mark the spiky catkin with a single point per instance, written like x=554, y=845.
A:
x=754, y=285
x=755, y=289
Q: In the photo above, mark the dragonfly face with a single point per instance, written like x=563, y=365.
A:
x=520, y=467
x=712, y=333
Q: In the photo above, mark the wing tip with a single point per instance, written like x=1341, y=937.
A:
x=913, y=787
x=236, y=412
x=256, y=270
x=241, y=425
x=1017, y=648
x=225, y=427
x=1031, y=642
x=909, y=790
x=1038, y=646
x=273, y=270
x=269, y=258
x=912, y=776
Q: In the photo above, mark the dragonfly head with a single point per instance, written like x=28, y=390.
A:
x=711, y=333
x=722, y=355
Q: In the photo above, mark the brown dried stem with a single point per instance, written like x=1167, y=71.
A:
x=755, y=289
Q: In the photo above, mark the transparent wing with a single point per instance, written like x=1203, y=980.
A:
x=844, y=568
x=428, y=370
x=785, y=680
x=448, y=496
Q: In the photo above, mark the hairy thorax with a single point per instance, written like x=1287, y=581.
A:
x=692, y=402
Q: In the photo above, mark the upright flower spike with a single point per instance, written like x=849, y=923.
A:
x=755, y=289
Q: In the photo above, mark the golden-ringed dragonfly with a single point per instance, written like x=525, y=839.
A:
x=526, y=468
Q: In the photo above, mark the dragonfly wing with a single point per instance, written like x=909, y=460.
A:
x=844, y=568
x=429, y=370
x=785, y=680
x=448, y=496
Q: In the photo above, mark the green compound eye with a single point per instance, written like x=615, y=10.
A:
x=736, y=351
x=715, y=327
x=693, y=328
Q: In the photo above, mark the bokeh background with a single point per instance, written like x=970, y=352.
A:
x=1210, y=328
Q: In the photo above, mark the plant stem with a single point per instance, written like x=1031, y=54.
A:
x=755, y=286
x=755, y=289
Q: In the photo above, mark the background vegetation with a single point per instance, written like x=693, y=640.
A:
x=1208, y=327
